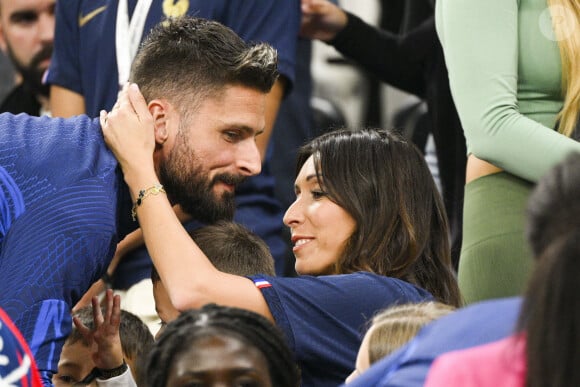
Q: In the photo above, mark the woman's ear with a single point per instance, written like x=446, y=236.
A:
x=159, y=111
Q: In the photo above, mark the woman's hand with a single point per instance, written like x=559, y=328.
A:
x=109, y=352
x=129, y=132
x=321, y=20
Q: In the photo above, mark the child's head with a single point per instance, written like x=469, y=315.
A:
x=217, y=343
x=234, y=249
x=75, y=360
x=231, y=248
x=392, y=328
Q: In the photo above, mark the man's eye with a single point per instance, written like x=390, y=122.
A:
x=24, y=17
x=232, y=136
x=66, y=379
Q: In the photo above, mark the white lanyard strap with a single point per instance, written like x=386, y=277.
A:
x=128, y=35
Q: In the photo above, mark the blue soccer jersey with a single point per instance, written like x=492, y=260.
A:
x=324, y=318
x=59, y=223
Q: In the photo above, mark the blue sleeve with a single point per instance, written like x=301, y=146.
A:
x=62, y=234
x=324, y=318
x=65, y=68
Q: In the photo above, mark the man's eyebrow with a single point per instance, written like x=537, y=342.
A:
x=248, y=130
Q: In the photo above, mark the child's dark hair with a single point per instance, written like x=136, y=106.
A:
x=233, y=249
x=550, y=315
x=136, y=338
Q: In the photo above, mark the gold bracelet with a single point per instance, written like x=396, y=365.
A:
x=155, y=190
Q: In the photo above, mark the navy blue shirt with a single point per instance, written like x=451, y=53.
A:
x=324, y=318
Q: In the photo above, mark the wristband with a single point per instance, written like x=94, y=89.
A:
x=113, y=372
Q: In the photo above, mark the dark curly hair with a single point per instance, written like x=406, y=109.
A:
x=253, y=329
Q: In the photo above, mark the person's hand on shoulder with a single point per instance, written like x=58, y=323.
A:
x=321, y=20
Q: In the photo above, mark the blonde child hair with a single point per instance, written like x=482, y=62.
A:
x=393, y=327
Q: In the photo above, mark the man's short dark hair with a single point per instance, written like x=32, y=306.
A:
x=186, y=59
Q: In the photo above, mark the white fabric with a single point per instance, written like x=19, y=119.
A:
x=138, y=299
x=123, y=380
x=128, y=35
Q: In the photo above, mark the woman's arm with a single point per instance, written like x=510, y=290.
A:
x=189, y=277
x=399, y=60
x=482, y=42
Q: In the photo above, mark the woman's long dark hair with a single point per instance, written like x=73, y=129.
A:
x=383, y=182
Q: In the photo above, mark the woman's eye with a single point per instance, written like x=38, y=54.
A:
x=316, y=194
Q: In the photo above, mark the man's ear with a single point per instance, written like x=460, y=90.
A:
x=159, y=109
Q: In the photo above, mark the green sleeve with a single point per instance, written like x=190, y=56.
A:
x=503, y=121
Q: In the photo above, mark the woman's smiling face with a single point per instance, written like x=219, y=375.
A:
x=320, y=228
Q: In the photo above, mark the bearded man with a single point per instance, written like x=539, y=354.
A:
x=26, y=36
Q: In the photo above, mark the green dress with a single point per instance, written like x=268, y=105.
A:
x=505, y=77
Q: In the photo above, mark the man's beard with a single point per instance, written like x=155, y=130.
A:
x=32, y=74
x=186, y=184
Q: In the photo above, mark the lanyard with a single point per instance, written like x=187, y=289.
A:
x=128, y=35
